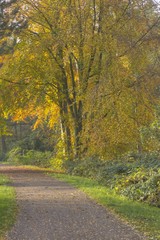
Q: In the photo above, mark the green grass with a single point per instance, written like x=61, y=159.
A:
x=7, y=206
x=144, y=217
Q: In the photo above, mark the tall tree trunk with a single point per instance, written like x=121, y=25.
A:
x=65, y=129
x=78, y=130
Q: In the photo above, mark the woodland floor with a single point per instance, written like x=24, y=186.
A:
x=53, y=210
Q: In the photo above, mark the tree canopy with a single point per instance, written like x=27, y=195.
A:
x=90, y=66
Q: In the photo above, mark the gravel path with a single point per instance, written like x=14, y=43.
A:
x=53, y=210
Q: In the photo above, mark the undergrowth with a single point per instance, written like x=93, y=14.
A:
x=45, y=159
x=137, y=177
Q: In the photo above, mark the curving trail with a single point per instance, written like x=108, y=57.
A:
x=53, y=210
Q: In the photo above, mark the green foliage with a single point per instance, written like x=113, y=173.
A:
x=36, y=147
x=45, y=159
x=89, y=167
x=41, y=139
x=134, y=176
x=142, y=185
x=30, y=157
x=37, y=158
x=14, y=154
x=7, y=206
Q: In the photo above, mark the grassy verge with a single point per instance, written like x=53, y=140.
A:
x=144, y=217
x=7, y=206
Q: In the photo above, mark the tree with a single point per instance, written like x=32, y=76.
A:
x=11, y=22
x=124, y=101
x=73, y=59
x=87, y=59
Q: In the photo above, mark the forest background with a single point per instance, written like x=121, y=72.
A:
x=80, y=90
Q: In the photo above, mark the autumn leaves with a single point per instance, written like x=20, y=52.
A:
x=92, y=68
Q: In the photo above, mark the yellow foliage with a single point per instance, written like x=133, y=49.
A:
x=125, y=62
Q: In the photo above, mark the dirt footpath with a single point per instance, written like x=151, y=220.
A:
x=53, y=210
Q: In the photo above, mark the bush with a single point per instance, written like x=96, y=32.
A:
x=14, y=155
x=135, y=176
x=30, y=157
x=56, y=163
x=37, y=158
x=89, y=167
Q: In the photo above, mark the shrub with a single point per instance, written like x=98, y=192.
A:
x=135, y=176
x=37, y=158
x=89, y=167
x=30, y=157
x=14, y=155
